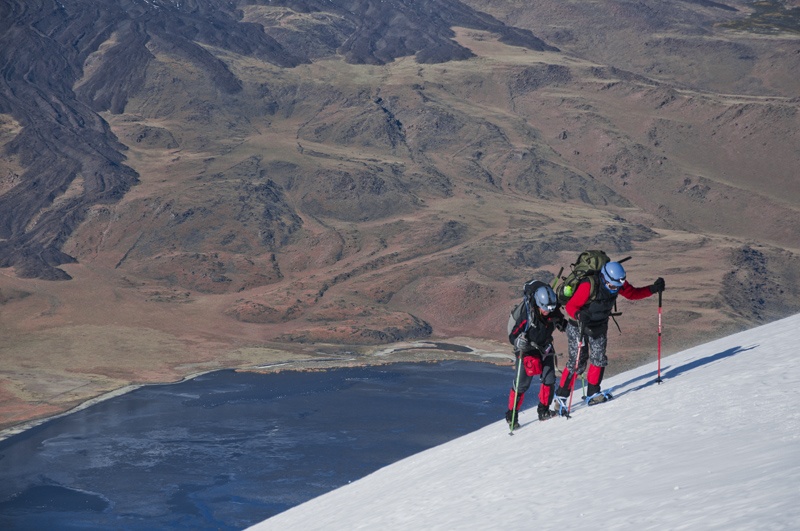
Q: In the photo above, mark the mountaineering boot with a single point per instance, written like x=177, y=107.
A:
x=599, y=398
x=561, y=406
x=544, y=412
x=509, y=415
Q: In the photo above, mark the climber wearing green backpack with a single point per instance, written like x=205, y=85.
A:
x=588, y=309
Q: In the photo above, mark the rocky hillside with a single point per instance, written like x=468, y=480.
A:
x=184, y=181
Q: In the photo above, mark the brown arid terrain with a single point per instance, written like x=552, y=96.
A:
x=189, y=186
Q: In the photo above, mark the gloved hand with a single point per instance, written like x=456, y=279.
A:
x=561, y=324
x=582, y=318
x=658, y=285
x=521, y=343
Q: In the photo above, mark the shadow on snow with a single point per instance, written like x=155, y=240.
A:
x=669, y=373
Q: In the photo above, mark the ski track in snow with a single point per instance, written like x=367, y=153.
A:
x=715, y=446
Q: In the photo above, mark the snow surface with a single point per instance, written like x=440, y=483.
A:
x=715, y=446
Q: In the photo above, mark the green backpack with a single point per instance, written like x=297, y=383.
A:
x=588, y=264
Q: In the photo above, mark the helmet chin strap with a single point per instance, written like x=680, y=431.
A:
x=612, y=291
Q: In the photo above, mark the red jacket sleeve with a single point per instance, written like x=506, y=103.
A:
x=634, y=294
x=579, y=298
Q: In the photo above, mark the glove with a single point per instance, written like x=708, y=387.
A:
x=582, y=318
x=521, y=343
x=658, y=285
x=561, y=324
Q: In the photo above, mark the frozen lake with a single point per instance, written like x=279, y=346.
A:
x=226, y=450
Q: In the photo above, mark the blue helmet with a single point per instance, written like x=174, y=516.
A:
x=613, y=275
x=545, y=298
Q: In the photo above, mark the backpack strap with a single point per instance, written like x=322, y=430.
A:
x=614, y=318
x=594, y=283
x=527, y=314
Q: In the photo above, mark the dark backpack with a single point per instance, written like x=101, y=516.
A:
x=520, y=319
x=587, y=266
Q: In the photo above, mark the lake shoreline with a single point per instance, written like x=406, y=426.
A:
x=416, y=352
x=229, y=449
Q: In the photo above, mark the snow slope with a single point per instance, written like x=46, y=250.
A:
x=715, y=446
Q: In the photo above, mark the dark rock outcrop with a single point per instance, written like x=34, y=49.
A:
x=64, y=62
x=50, y=89
x=378, y=32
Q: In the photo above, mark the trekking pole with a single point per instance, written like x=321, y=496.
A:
x=575, y=370
x=516, y=394
x=658, y=379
